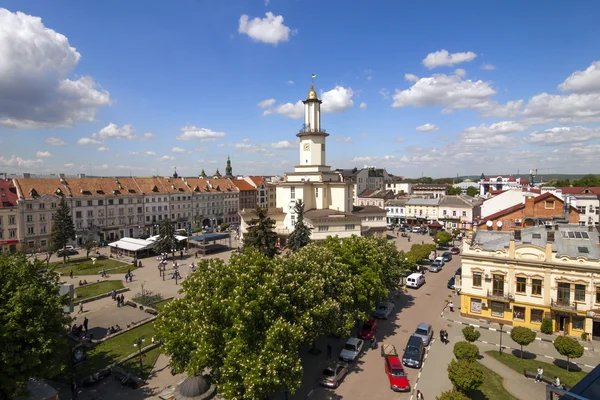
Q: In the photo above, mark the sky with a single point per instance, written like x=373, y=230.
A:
x=431, y=88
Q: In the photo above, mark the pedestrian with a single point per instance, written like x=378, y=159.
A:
x=451, y=305
x=442, y=335
x=128, y=271
x=539, y=375
x=74, y=389
x=329, y=350
x=113, y=294
x=85, y=323
x=71, y=274
x=445, y=336
x=122, y=299
x=80, y=308
x=420, y=395
x=556, y=381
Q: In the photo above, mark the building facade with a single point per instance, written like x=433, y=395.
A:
x=399, y=186
x=259, y=184
x=247, y=194
x=395, y=211
x=374, y=197
x=500, y=183
x=458, y=212
x=587, y=202
x=421, y=211
x=9, y=217
x=430, y=190
x=521, y=277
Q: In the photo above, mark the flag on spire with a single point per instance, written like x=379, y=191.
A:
x=314, y=76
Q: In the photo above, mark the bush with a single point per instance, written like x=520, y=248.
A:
x=471, y=334
x=465, y=375
x=547, y=326
x=452, y=395
x=522, y=336
x=584, y=336
x=225, y=225
x=568, y=347
x=466, y=351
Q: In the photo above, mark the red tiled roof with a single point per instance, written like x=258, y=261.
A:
x=41, y=187
x=243, y=185
x=8, y=193
x=516, y=207
x=258, y=180
x=580, y=190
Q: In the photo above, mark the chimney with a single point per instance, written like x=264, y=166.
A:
x=590, y=228
x=517, y=234
x=550, y=236
x=567, y=209
x=555, y=227
x=529, y=206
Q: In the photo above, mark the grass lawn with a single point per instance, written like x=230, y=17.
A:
x=492, y=387
x=113, y=350
x=85, y=267
x=551, y=370
x=148, y=360
x=84, y=292
x=161, y=304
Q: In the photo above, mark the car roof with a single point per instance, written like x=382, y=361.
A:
x=372, y=321
x=394, y=361
x=423, y=325
x=414, y=338
x=415, y=275
x=353, y=340
x=384, y=304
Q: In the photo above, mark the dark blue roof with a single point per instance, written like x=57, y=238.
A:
x=210, y=236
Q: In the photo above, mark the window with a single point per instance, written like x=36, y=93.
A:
x=581, y=210
x=11, y=219
x=317, y=192
x=579, y=292
x=597, y=294
x=77, y=214
x=323, y=228
x=549, y=204
x=30, y=230
x=90, y=203
x=350, y=227
x=464, y=213
x=292, y=192
x=78, y=203
x=498, y=285
x=521, y=284
x=30, y=218
x=110, y=202
x=100, y=202
x=43, y=243
x=29, y=206
x=444, y=212
x=536, y=316
x=477, y=279
x=454, y=213
x=476, y=306
x=53, y=206
x=564, y=293
x=12, y=233
x=536, y=287
x=90, y=213
x=519, y=313
x=578, y=323
x=497, y=309
x=120, y=201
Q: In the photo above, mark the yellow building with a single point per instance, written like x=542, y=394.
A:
x=521, y=277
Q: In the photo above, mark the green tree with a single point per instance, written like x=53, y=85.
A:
x=471, y=334
x=442, y=238
x=32, y=323
x=455, y=232
x=261, y=234
x=465, y=375
x=63, y=228
x=300, y=237
x=465, y=351
x=452, y=395
x=472, y=191
x=88, y=246
x=454, y=190
x=546, y=326
x=420, y=252
x=522, y=336
x=568, y=347
x=166, y=242
x=589, y=181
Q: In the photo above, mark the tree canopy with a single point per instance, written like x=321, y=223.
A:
x=522, y=336
x=471, y=334
x=32, y=323
x=261, y=234
x=247, y=319
x=442, y=238
x=420, y=252
x=472, y=191
x=300, y=237
x=452, y=395
x=166, y=242
x=568, y=347
x=454, y=190
x=63, y=229
x=465, y=375
x=465, y=351
x=589, y=180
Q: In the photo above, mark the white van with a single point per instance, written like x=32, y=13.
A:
x=415, y=280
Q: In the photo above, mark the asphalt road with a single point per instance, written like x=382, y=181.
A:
x=367, y=378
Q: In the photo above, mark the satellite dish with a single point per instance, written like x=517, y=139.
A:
x=499, y=224
x=489, y=223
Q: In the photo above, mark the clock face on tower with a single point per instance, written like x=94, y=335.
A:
x=306, y=146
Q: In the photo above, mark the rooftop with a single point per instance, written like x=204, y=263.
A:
x=420, y=201
x=8, y=193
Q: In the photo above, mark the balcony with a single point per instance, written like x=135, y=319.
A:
x=308, y=129
x=563, y=305
x=499, y=295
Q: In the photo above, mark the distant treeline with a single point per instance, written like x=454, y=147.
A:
x=558, y=180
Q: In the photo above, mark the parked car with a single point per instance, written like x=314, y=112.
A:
x=66, y=252
x=435, y=266
x=390, y=227
x=455, y=250
x=440, y=260
x=415, y=280
x=414, y=352
x=351, y=349
x=451, y=282
x=384, y=310
x=458, y=271
x=69, y=247
x=425, y=332
x=369, y=329
x=447, y=256
x=396, y=375
x=333, y=374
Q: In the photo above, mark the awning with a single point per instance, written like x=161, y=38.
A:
x=6, y=242
x=131, y=244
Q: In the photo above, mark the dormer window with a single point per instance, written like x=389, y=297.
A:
x=33, y=193
x=58, y=191
x=155, y=189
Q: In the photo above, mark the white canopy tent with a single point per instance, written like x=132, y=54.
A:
x=131, y=246
x=155, y=238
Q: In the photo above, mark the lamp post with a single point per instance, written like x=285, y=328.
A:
x=138, y=344
x=501, y=331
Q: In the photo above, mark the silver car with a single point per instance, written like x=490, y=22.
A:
x=435, y=267
x=425, y=332
x=384, y=310
x=351, y=349
x=333, y=374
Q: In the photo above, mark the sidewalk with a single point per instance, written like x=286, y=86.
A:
x=516, y=384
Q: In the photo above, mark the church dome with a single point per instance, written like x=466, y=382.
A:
x=312, y=95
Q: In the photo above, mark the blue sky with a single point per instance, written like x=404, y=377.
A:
x=434, y=88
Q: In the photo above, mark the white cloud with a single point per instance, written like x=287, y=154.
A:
x=148, y=136
x=15, y=161
x=460, y=72
x=400, y=140
x=290, y=82
x=343, y=139
x=562, y=135
x=443, y=58
x=166, y=158
x=53, y=141
x=283, y=144
x=498, y=127
x=112, y=131
x=511, y=109
x=267, y=2
x=36, y=64
x=411, y=77
x=267, y=30
x=587, y=81
x=427, y=128
x=85, y=141
x=44, y=154
x=266, y=103
x=191, y=132
x=142, y=153
x=586, y=151
x=103, y=149
x=338, y=99
x=290, y=110
x=545, y=108
x=385, y=93
x=362, y=159
x=449, y=91
x=179, y=150
x=488, y=67
x=363, y=105
x=68, y=165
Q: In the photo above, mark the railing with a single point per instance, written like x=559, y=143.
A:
x=499, y=295
x=552, y=392
x=309, y=130
x=564, y=304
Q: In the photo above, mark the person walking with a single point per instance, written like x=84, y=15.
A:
x=122, y=299
x=71, y=274
x=329, y=350
x=539, y=375
x=420, y=395
x=445, y=336
x=80, y=308
x=113, y=294
x=442, y=335
x=85, y=323
x=451, y=305
x=74, y=389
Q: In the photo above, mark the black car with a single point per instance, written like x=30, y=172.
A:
x=447, y=256
x=66, y=252
x=458, y=271
x=414, y=352
x=451, y=283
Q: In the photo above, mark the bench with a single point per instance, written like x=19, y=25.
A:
x=545, y=379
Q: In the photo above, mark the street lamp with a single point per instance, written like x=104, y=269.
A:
x=501, y=331
x=138, y=344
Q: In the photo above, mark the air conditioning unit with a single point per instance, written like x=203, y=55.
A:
x=484, y=305
x=487, y=276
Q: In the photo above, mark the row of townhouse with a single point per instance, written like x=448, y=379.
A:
x=452, y=212
x=107, y=209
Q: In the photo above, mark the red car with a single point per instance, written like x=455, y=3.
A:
x=455, y=250
x=368, y=329
x=396, y=375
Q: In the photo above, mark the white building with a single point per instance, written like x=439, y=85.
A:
x=587, y=201
x=399, y=186
x=395, y=211
x=465, y=185
x=500, y=183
